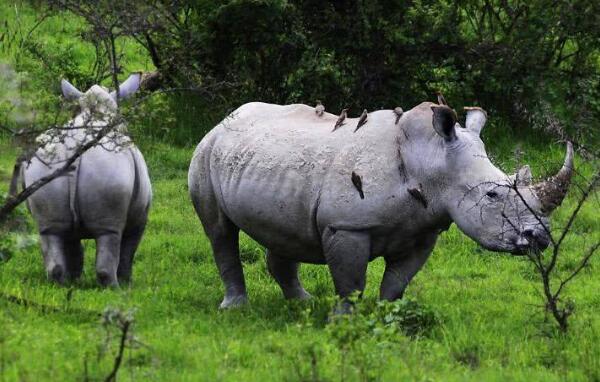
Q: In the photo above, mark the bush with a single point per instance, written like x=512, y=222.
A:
x=14, y=233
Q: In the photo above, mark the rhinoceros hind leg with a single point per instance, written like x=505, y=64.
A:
x=285, y=272
x=224, y=239
x=347, y=255
x=129, y=244
x=53, y=249
x=74, y=259
x=107, y=259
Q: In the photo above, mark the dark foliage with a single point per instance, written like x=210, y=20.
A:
x=529, y=63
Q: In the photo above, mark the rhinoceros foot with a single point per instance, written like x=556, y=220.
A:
x=234, y=301
x=297, y=294
x=105, y=279
x=57, y=274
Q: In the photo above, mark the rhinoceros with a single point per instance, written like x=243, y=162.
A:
x=342, y=198
x=105, y=197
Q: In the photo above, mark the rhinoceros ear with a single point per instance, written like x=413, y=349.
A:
x=127, y=88
x=523, y=177
x=444, y=120
x=476, y=118
x=69, y=91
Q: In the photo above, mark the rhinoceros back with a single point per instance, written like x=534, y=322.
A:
x=96, y=196
x=268, y=165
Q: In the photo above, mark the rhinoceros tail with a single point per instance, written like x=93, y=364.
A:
x=14, y=180
x=72, y=184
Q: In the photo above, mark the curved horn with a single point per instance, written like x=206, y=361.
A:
x=552, y=191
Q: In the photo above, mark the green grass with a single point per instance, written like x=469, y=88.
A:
x=488, y=327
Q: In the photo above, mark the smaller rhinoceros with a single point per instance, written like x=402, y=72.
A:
x=105, y=197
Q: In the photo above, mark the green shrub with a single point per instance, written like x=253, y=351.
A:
x=14, y=232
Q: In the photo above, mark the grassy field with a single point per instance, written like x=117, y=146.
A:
x=476, y=314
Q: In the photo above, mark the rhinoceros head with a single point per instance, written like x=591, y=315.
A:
x=500, y=212
x=98, y=98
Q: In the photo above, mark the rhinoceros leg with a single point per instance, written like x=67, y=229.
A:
x=399, y=271
x=129, y=244
x=224, y=239
x=285, y=272
x=53, y=249
x=108, y=248
x=74, y=259
x=347, y=255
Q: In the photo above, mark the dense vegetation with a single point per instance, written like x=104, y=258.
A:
x=469, y=314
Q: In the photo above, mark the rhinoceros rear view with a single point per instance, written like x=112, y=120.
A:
x=342, y=198
x=106, y=197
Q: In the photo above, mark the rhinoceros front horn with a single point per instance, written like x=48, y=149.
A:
x=552, y=191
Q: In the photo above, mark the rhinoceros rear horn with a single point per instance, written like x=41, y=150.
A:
x=444, y=120
x=553, y=190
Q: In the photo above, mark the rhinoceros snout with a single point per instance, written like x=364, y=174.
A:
x=531, y=240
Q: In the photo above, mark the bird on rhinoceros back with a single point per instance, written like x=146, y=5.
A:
x=417, y=193
x=341, y=119
x=362, y=120
x=398, y=111
x=441, y=99
x=319, y=109
x=357, y=181
x=296, y=194
x=106, y=196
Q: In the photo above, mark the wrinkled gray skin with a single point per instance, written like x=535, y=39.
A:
x=105, y=198
x=282, y=176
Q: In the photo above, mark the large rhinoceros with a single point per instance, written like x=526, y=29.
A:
x=106, y=197
x=343, y=198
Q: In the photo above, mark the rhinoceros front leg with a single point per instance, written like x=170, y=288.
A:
x=285, y=272
x=399, y=272
x=108, y=248
x=347, y=255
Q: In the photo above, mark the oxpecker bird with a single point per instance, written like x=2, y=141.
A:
x=341, y=119
x=319, y=109
x=441, y=99
x=357, y=181
x=362, y=120
x=398, y=111
x=417, y=193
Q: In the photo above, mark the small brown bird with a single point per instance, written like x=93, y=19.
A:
x=362, y=120
x=357, y=181
x=341, y=119
x=441, y=99
x=418, y=194
x=398, y=111
x=319, y=109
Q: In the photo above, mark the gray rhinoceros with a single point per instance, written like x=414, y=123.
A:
x=105, y=197
x=343, y=198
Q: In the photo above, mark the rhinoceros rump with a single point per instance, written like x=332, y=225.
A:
x=279, y=174
x=106, y=197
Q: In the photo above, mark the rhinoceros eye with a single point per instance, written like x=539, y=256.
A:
x=492, y=194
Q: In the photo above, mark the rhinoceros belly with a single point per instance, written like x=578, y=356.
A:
x=272, y=195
